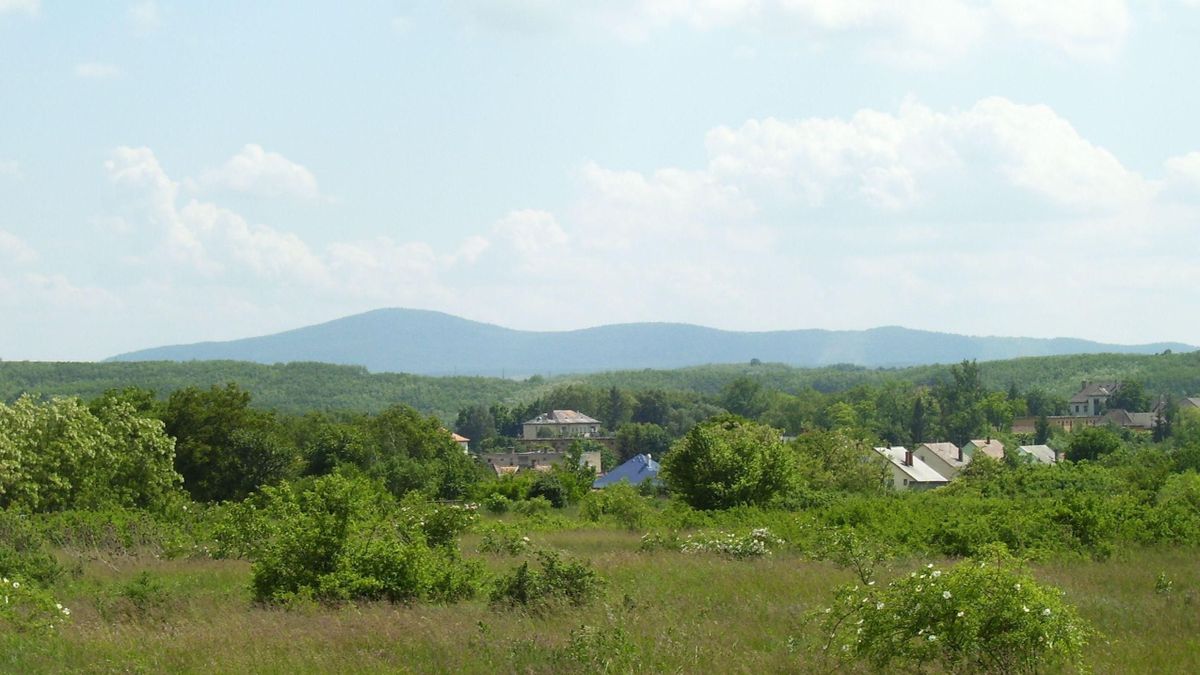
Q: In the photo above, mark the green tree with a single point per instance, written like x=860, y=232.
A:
x=637, y=439
x=1092, y=443
x=836, y=461
x=730, y=461
x=653, y=407
x=745, y=397
x=960, y=401
x=477, y=424
x=1130, y=396
x=1041, y=430
x=224, y=449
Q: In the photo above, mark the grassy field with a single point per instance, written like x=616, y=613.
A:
x=662, y=611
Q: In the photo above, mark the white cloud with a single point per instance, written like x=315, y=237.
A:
x=534, y=235
x=14, y=249
x=145, y=16
x=95, y=70
x=1084, y=29
x=27, y=6
x=266, y=174
x=1185, y=169
x=897, y=161
x=927, y=33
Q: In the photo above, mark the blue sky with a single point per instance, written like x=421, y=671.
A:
x=176, y=172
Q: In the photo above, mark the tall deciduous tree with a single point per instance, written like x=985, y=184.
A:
x=730, y=461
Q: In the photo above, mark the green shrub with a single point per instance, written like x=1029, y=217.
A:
x=621, y=503
x=497, y=503
x=532, y=506
x=340, y=538
x=23, y=552
x=24, y=606
x=981, y=615
x=755, y=544
x=559, y=581
x=504, y=539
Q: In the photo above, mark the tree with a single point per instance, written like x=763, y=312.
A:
x=1130, y=396
x=224, y=450
x=1041, y=430
x=730, y=461
x=477, y=424
x=653, y=407
x=639, y=439
x=1092, y=443
x=961, y=403
x=835, y=461
x=920, y=423
x=744, y=396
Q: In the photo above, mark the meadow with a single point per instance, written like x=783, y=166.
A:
x=136, y=609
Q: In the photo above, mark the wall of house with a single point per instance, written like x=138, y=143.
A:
x=530, y=431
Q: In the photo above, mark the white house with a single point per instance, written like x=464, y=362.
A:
x=945, y=458
x=561, y=424
x=1038, y=453
x=990, y=447
x=908, y=471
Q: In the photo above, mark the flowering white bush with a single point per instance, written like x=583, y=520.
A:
x=981, y=615
x=756, y=544
x=26, y=607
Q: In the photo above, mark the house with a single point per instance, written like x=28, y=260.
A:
x=463, y=442
x=1092, y=398
x=1189, y=403
x=1143, y=421
x=1037, y=453
x=945, y=458
x=990, y=447
x=512, y=462
x=908, y=471
x=561, y=424
x=636, y=470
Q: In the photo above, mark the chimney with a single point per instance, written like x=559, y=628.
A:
x=907, y=457
x=960, y=454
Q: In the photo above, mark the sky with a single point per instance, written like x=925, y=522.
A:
x=176, y=172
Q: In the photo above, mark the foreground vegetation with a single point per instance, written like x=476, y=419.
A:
x=133, y=610
x=201, y=532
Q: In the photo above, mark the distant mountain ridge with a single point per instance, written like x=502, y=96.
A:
x=432, y=343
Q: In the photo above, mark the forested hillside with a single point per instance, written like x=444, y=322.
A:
x=298, y=387
x=433, y=343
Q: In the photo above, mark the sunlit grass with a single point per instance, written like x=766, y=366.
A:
x=678, y=612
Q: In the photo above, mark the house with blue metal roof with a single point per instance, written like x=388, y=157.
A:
x=636, y=470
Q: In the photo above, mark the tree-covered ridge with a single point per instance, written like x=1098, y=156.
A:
x=433, y=343
x=301, y=387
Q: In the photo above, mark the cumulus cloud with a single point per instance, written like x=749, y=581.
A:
x=896, y=161
x=928, y=33
x=258, y=172
x=1185, y=170
x=95, y=70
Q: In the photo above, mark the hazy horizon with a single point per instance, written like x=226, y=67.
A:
x=174, y=173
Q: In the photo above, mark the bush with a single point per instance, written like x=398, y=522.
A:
x=505, y=539
x=339, y=538
x=497, y=503
x=756, y=544
x=730, y=462
x=620, y=502
x=981, y=615
x=23, y=553
x=26, y=607
x=560, y=581
x=533, y=506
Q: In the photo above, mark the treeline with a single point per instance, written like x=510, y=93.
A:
x=298, y=388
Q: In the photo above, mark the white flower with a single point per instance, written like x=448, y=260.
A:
x=58, y=605
x=870, y=583
x=937, y=573
x=1046, y=612
x=932, y=637
x=1018, y=587
x=960, y=614
x=929, y=566
x=1024, y=608
x=16, y=585
x=945, y=595
x=879, y=606
x=66, y=611
x=919, y=587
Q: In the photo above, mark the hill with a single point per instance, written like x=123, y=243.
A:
x=432, y=343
